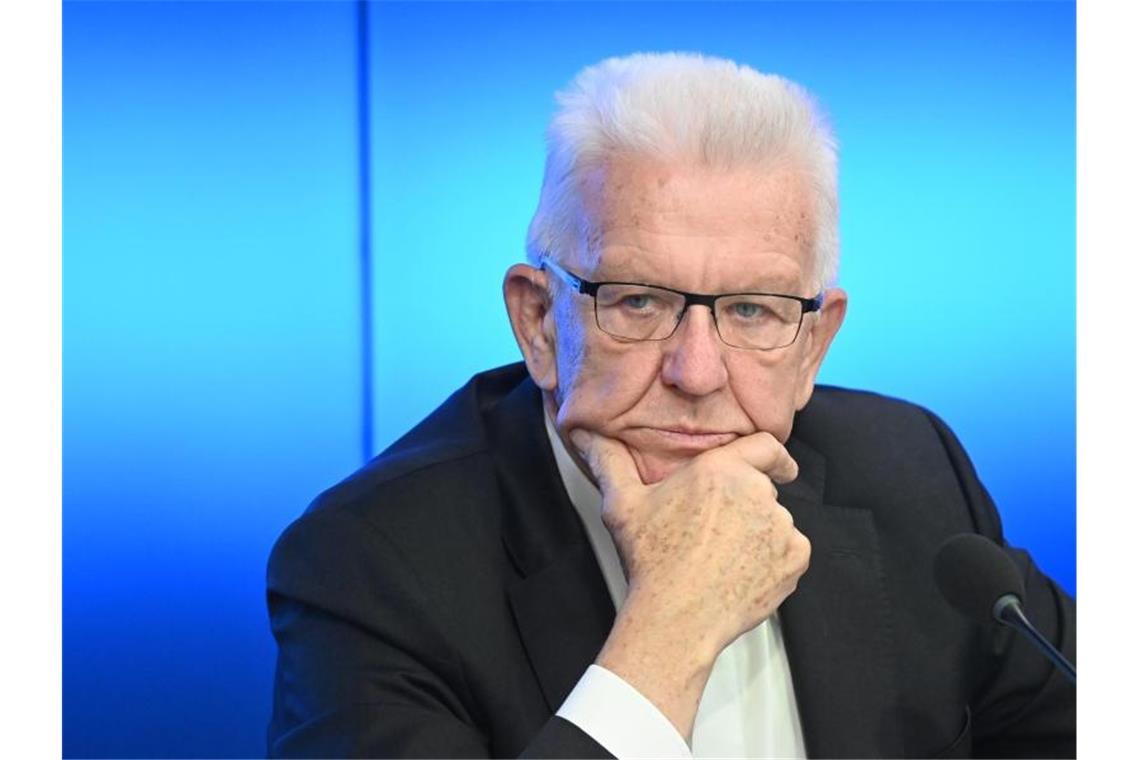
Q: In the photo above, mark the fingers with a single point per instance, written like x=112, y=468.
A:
x=608, y=459
x=765, y=453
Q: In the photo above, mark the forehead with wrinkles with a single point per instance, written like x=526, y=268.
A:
x=640, y=215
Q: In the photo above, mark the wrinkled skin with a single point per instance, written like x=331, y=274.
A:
x=695, y=229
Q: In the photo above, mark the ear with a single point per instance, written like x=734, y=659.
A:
x=528, y=306
x=822, y=331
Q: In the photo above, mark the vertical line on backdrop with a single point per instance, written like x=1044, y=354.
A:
x=364, y=142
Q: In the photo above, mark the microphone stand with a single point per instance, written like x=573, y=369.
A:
x=1007, y=611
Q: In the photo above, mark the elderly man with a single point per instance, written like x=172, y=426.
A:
x=660, y=537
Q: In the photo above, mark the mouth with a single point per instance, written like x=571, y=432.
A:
x=682, y=439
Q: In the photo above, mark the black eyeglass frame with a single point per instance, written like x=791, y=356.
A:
x=588, y=288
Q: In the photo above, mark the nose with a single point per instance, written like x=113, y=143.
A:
x=694, y=359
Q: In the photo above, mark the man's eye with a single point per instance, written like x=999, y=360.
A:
x=637, y=302
x=747, y=310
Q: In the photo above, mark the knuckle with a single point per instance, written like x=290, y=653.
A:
x=802, y=547
x=786, y=518
x=767, y=438
x=760, y=486
x=599, y=459
x=615, y=514
x=767, y=444
x=609, y=519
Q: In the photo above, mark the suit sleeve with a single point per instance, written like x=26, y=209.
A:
x=1021, y=706
x=362, y=669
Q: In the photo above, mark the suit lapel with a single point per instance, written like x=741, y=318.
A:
x=837, y=624
x=560, y=602
x=563, y=621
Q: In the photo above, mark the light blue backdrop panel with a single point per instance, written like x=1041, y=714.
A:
x=956, y=125
x=211, y=351
x=212, y=364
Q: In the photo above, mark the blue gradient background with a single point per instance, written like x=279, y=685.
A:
x=214, y=375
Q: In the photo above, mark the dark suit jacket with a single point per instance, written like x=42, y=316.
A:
x=444, y=600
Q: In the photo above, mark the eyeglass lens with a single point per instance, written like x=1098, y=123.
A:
x=638, y=312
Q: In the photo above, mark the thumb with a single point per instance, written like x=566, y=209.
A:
x=609, y=460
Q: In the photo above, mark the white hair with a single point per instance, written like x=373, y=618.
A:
x=682, y=107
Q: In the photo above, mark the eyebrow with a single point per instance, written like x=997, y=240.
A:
x=772, y=284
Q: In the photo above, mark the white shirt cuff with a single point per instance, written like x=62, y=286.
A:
x=619, y=718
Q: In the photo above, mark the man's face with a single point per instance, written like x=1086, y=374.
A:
x=698, y=230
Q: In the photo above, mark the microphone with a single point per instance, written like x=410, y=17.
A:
x=983, y=583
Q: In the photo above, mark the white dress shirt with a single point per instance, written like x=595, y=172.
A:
x=748, y=708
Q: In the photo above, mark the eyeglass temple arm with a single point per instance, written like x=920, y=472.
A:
x=580, y=285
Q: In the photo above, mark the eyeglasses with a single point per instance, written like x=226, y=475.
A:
x=635, y=311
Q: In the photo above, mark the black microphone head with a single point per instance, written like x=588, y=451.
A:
x=972, y=572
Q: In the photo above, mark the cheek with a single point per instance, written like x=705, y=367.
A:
x=597, y=380
x=766, y=391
